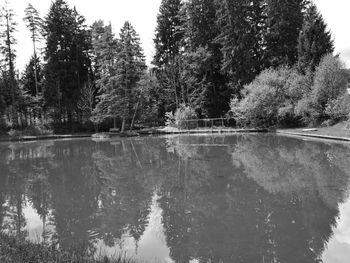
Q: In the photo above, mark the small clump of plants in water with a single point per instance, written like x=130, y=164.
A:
x=16, y=250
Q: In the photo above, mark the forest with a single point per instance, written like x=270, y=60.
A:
x=263, y=63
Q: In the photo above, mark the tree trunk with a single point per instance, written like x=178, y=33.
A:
x=123, y=125
x=114, y=122
x=133, y=117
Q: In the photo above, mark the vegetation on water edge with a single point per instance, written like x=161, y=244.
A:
x=284, y=97
x=14, y=250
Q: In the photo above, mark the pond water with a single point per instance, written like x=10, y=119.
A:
x=241, y=198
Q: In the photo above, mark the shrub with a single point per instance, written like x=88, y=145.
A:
x=32, y=130
x=305, y=110
x=329, y=83
x=284, y=97
x=183, y=114
x=270, y=99
x=338, y=109
x=169, y=119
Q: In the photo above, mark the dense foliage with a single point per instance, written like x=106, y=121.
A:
x=262, y=55
x=285, y=97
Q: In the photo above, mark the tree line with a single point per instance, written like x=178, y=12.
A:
x=206, y=54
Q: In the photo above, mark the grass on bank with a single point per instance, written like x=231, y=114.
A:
x=13, y=250
x=338, y=130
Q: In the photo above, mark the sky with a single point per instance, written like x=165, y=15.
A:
x=143, y=14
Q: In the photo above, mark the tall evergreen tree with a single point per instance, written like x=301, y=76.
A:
x=168, y=43
x=98, y=32
x=205, y=83
x=314, y=42
x=130, y=68
x=2, y=104
x=105, y=50
x=284, y=20
x=68, y=63
x=7, y=30
x=169, y=32
x=241, y=38
x=121, y=68
x=34, y=23
x=32, y=76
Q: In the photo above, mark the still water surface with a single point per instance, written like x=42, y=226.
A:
x=244, y=198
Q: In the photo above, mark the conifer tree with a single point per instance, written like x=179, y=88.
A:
x=68, y=62
x=241, y=39
x=168, y=43
x=130, y=68
x=314, y=42
x=284, y=20
x=205, y=83
x=34, y=23
x=105, y=50
x=2, y=104
x=7, y=30
x=32, y=76
x=121, y=65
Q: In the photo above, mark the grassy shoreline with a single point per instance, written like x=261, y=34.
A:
x=338, y=131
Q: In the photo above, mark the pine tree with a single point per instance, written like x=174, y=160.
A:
x=241, y=39
x=105, y=50
x=169, y=32
x=121, y=66
x=168, y=43
x=7, y=30
x=2, y=104
x=68, y=64
x=284, y=19
x=98, y=31
x=204, y=81
x=314, y=42
x=130, y=67
x=32, y=76
x=34, y=23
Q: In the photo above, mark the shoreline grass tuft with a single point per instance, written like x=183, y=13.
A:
x=15, y=250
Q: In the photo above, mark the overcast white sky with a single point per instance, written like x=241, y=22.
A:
x=142, y=15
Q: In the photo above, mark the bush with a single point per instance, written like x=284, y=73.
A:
x=32, y=130
x=329, y=83
x=305, y=110
x=270, y=99
x=338, y=109
x=284, y=97
x=182, y=115
x=170, y=119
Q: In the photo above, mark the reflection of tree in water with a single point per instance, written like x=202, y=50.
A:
x=48, y=176
x=127, y=168
x=288, y=165
x=15, y=177
x=3, y=186
x=242, y=215
x=308, y=181
x=224, y=199
x=74, y=193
